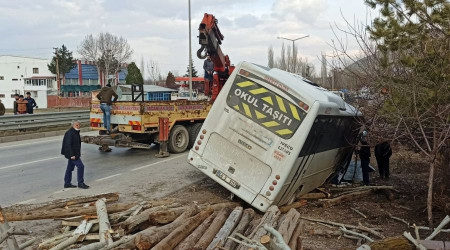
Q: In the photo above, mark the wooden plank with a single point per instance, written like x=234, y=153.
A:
x=287, y=226
x=104, y=226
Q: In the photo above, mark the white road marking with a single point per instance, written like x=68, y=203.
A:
x=25, y=202
x=156, y=163
x=29, y=143
x=58, y=192
x=30, y=162
x=105, y=178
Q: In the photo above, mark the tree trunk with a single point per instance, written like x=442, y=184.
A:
x=345, y=197
x=182, y=231
x=430, y=194
x=139, y=221
x=393, y=243
x=209, y=235
x=192, y=239
x=104, y=226
x=240, y=228
x=151, y=236
x=296, y=234
x=296, y=204
x=64, y=213
x=225, y=231
x=287, y=226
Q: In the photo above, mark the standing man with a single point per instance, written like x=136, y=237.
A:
x=208, y=66
x=2, y=108
x=16, y=98
x=31, y=103
x=364, y=155
x=21, y=105
x=71, y=149
x=383, y=152
x=105, y=97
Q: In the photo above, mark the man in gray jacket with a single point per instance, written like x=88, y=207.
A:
x=208, y=66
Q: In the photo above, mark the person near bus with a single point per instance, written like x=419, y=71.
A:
x=16, y=98
x=383, y=152
x=364, y=155
x=2, y=108
x=71, y=149
x=22, y=105
x=105, y=96
x=31, y=103
x=208, y=66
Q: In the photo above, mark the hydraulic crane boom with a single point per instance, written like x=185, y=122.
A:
x=210, y=38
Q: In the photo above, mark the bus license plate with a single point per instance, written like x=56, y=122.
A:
x=227, y=179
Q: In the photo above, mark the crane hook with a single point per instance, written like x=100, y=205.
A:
x=199, y=52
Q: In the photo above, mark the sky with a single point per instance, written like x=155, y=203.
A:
x=159, y=30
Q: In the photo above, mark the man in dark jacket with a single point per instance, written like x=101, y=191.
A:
x=16, y=98
x=71, y=149
x=31, y=103
x=208, y=66
x=105, y=97
x=364, y=155
x=383, y=152
x=2, y=108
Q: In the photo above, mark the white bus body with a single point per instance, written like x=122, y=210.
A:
x=270, y=135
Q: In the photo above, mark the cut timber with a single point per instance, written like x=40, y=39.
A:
x=287, y=226
x=270, y=218
x=345, y=197
x=247, y=216
x=197, y=234
x=141, y=221
x=151, y=236
x=49, y=243
x=165, y=216
x=392, y=243
x=93, y=246
x=296, y=235
x=337, y=224
x=104, y=226
x=312, y=196
x=62, y=212
x=296, y=204
x=324, y=232
x=225, y=231
x=183, y=231
x=217, y=223
x=61, y=203
x=66, y=243
x=4, y=229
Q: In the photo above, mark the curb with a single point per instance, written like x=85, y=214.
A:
x=36, y=135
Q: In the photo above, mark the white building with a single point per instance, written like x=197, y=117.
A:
x=19, y=75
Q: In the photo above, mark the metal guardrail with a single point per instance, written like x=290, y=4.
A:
x=15, y=122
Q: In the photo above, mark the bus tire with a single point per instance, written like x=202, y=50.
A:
x=194, y=129
x=178, y=139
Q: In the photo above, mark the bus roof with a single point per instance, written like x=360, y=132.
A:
x=299, y=86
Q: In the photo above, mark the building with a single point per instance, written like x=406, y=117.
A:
x=85, y=77
x=19, y=75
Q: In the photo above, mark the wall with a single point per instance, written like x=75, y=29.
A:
x=54, y=101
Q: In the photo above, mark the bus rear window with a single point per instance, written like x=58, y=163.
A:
x=264, y=107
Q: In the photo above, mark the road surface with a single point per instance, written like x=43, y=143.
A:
x=33, y=171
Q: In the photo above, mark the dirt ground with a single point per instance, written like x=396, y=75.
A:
x=408, y=176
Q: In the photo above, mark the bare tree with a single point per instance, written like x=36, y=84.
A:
x=270, y=57
x=107, y=50
x=153, y=70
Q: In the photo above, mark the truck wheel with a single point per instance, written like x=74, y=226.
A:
x=178, y=139
x=194, y=129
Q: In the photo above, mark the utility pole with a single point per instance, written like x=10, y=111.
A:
x=190, y=54
x=324, y=69
x=294, y=53
x=58, y=80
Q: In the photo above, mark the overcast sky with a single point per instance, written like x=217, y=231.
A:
x=158, y=30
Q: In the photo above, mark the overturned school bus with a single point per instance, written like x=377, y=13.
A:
x=138, y=123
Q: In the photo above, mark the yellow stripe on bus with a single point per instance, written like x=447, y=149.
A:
x=236, y=107
x=245, y=84
x=268, y=99
x=284, y=131
x=270, y=124
x=259, y=115
x=281, y=104
x=247, y=110
x=294, y=112
x=259, y=91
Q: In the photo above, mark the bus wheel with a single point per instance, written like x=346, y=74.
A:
x=178, y=139
x=194, y=129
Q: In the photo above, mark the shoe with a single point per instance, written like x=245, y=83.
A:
x=69, y=186
x=83, y=186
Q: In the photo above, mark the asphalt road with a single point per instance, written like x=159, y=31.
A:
x=33, y=171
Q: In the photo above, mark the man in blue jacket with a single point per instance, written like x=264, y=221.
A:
x=71, y=149
x=31, y=103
